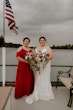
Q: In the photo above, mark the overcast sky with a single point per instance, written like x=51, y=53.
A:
x=50, y=18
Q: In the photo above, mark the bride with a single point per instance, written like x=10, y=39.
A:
x=42, y=87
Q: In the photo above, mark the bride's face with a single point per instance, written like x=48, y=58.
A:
x=42, y=42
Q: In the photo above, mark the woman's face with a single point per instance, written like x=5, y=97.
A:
x=42, y=42
x=26, y=42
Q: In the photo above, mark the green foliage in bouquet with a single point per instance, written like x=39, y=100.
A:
x=37, y=62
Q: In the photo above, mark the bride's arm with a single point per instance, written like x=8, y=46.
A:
x=50, y=53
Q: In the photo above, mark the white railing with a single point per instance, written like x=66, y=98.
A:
x=63, y=60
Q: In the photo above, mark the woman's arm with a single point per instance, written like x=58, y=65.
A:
x=21, y=59
x=50, y=53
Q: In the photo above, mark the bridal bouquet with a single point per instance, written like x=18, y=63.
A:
x=30, y=56
x=41, y=58
x=37, y=61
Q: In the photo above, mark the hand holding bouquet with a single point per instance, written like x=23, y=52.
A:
x=37, y=61
x=30, y=56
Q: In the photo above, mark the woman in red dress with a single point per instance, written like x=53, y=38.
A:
x=24, y=77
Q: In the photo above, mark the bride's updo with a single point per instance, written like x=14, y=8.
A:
x=42, y=38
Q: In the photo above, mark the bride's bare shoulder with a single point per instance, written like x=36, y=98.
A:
x=48, y=47
x=37, y=48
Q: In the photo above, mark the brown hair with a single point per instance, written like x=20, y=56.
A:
x=25, y=39
x=42, y=38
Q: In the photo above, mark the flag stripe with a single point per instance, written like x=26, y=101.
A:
x=9, y=15
x=9, y=10
x=9, y=18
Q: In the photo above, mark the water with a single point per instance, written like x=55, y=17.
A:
x=61, y=57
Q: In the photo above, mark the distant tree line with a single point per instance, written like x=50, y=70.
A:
x=67, y=46
x=3, y=43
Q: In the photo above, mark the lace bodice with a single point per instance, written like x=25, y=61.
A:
x=44, y=50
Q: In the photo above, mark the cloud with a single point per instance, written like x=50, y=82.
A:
x=39, y=12
x=40, y=17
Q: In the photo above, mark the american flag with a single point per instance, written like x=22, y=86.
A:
x=9, y=15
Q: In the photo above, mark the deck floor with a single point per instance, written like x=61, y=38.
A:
x=59, y=103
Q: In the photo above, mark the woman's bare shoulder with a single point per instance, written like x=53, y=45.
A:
x=19, y=49
x=48, y=47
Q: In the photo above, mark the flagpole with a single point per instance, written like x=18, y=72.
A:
x=3, y=49
x=4, y=19
x=12, y=25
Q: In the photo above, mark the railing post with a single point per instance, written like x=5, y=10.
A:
x=3, y=65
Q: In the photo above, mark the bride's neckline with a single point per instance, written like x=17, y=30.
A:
x=40, y=48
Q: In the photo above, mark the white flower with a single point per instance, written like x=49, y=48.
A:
x=38, y=61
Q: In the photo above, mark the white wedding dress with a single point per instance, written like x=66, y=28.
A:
x=42, y=88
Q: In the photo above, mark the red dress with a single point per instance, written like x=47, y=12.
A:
x=24, y=77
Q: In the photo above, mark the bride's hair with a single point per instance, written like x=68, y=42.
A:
x=42, y=38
